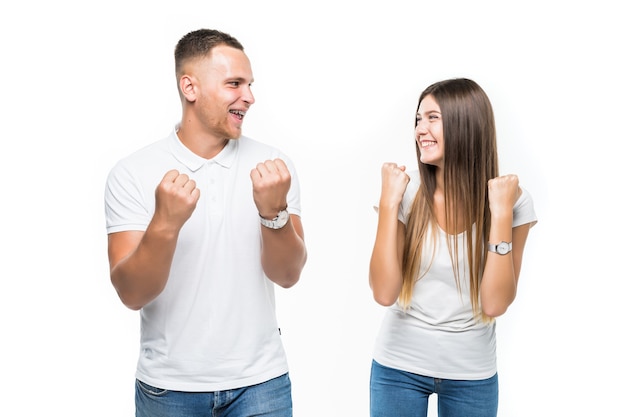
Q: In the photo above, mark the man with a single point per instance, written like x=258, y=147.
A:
x=201, y=225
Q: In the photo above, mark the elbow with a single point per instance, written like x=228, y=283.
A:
x=494, y=311
x=496, y=308
x=384, y=293
x=134, y=300
x=134, y=307
x=384, y=300
x=288, y=281
x=496, y=299
x=285, y=276
x=129, y=302
x=125, y=297
x=136, y=290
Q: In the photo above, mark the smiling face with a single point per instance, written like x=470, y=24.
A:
x=218, y=92
x=429, y=132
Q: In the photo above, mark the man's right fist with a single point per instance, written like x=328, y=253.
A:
x=176, y=198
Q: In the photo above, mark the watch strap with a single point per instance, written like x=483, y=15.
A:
x=277, y=222
x=501, y=248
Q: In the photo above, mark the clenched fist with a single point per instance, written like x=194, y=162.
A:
x=176, y=198
x=394, y=182
x=503, y=193
x=270, y=183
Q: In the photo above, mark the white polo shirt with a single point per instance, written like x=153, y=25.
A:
x=214, y=325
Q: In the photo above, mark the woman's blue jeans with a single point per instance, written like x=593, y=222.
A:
x=270, y=399
x=395, y=393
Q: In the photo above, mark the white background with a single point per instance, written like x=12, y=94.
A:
x=82, y=84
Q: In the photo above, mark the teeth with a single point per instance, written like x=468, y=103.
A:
x=239, y=112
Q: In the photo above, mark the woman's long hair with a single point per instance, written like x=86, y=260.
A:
x=470, y=161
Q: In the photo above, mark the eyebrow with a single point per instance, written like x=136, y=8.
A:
x=238, y=79
x=427, y=113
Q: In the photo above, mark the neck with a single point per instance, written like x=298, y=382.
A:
x=201, y=143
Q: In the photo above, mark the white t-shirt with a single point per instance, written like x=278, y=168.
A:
x=438, y=335
x=214, y=325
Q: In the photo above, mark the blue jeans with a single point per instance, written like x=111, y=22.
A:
x=271, y=398
x=395, y=393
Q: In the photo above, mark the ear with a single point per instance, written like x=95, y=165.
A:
x=188, y=87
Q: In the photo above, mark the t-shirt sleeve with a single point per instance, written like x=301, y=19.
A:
x=294, y=205
x=124, y=202
x=524, y=210
x=409, y=196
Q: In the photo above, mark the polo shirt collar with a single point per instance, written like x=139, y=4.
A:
x=194, y=162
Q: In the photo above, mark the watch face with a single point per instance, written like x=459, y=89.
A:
x=502, y=248
x=283, y=216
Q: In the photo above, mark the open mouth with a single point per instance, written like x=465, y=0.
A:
x=238, y=113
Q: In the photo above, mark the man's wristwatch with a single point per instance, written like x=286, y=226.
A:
x=277, y=222
x=501, y=248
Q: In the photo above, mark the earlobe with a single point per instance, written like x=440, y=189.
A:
x=187, y=88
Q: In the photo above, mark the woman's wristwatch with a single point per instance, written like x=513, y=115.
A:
x=501, y=248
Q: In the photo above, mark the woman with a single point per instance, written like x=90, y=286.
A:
x=446, y=259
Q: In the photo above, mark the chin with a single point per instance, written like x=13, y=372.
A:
x=235, y=134
x=428, y=161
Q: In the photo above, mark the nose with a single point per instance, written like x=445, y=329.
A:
x=420, y=129
x=248, y=97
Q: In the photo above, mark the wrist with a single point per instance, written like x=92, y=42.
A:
x=502, y=214
x=501, y=248
x=386, y=205
x=271, y=213
x=277, y=222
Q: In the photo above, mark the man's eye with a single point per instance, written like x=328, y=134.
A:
x=234, y=83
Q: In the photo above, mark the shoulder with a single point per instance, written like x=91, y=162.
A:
x=148, y=163
x=414, y=176
x=261, y=151
x=253, y=145
x=146, y=153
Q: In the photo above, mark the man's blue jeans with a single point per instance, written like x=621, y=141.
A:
x=395, y=393
x=271, y=399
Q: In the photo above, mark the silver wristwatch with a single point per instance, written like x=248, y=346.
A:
x=501, y=248
x=277, y=222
